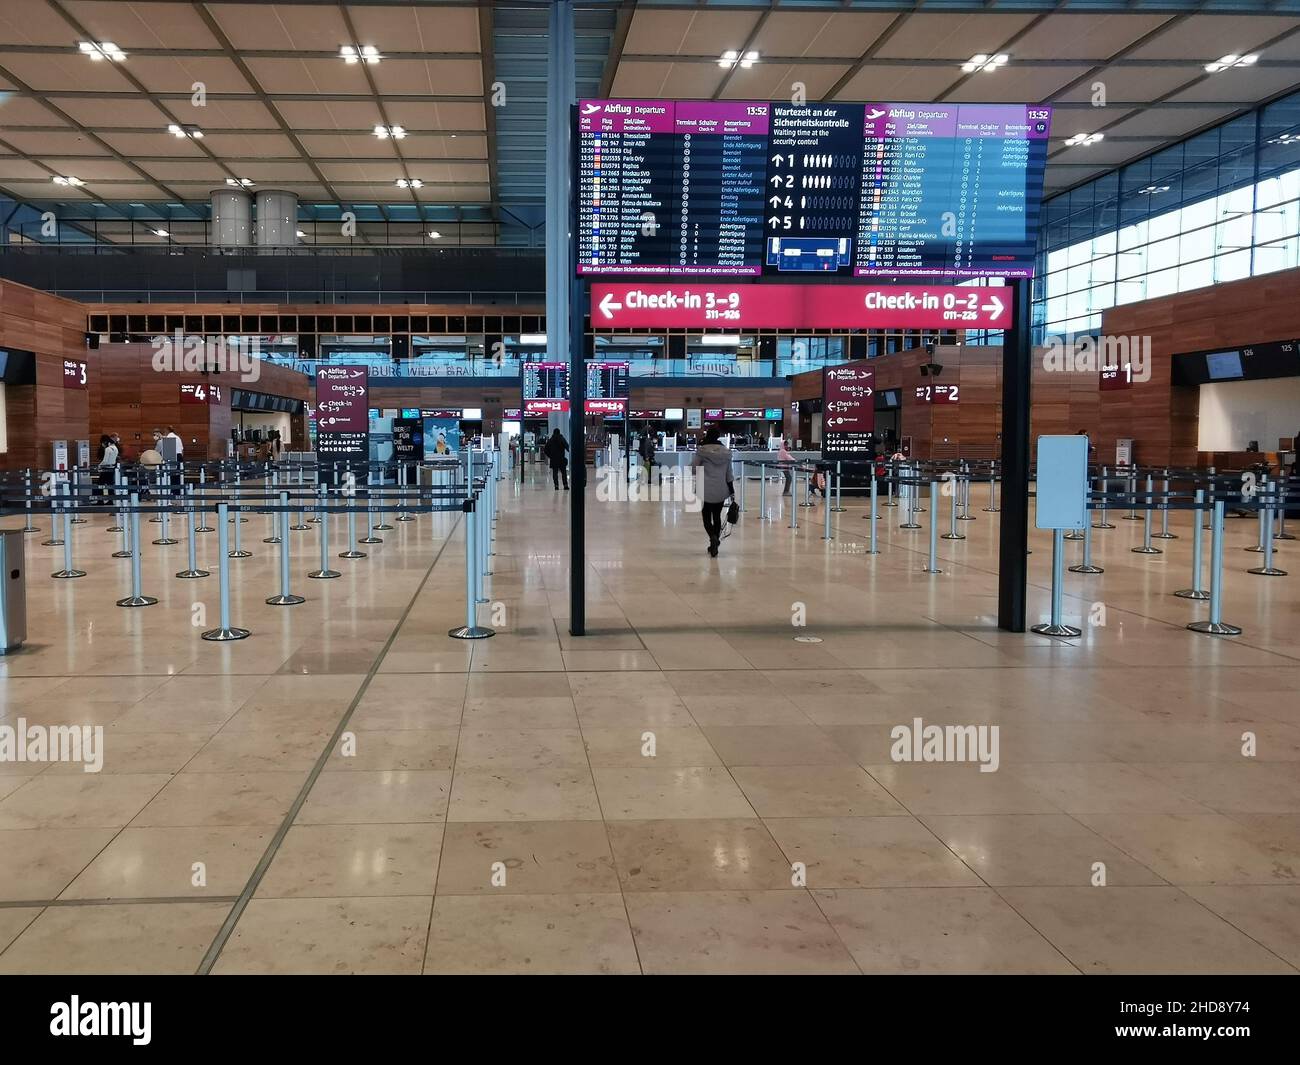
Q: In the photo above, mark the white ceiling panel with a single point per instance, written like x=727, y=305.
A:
x=283, y=26
x=1014, y=84
x=1168, y=124
x=825, y=34
x=73, y=71
x=34, y=22
x=1207, y=37
x=42, y=143
x=100, y=114
x=1086, y=36
x=777, y=82
x=142, y=25
x=24, y=111
x=677, y=32
x=900, y=84
x=164, y=74
x=406, y=29
x=439, y=77
x=951, y=36
x=684, y=81
x=1240, y=84
x=1130, y=84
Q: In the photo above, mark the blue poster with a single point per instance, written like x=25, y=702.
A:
x=441, y=437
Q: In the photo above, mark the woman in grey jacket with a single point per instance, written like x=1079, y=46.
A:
x=714, y=459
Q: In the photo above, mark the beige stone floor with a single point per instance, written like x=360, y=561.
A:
x=498, y=814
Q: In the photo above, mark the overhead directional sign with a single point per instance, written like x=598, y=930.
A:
x=706, y=305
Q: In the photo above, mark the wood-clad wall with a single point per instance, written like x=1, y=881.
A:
x=36, y=415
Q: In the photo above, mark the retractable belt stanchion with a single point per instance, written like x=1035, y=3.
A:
x=300, y=525
x=794, y=498
x=1216, y=626
x=839, y=489
x=125, y=519
x=1055, y=626
x=965, y=514
x=352, y=551
x=741, y=501
x=952, y=533
x=76, y=485
x=909, y=502
x=238, y=517
x=1101, y=522
x=1076, y=534
x=1266, y=510
x=69, y=570
x=932, y=565
x=136, y=598
x=324, y=573
x=224, y=631
x=165, y=539
x=471, y=630
x=370, y=537
x=55, y=540
x=1209, y=500
x=890, y=477
x=1164, y=533
x=1258, y=546
x=826, y=510
x=1132, y=514
x=762, y=492
x=1196, y=591
x=28, y=527
x=401, y=486
x=1086, y=565
x=382, y=525
x=1281, y=533
x=272, y=537
x=873, y=516
x=191, y=571
x=992, y=508
x=203, y=477
x=285, y=598
x=238, y=552
x=119, y=515
x=1146, y=548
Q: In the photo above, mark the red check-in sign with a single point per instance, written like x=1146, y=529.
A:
x=535, y=407
x=726, y=305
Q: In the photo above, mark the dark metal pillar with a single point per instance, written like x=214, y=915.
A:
x=1013, y=545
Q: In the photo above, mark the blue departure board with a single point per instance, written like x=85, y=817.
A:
x=726, y=188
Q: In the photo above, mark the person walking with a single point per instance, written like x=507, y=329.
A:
x=646, y=449
x=713, y=459
x=557, y=450
x=786, y=460
x=108, y=456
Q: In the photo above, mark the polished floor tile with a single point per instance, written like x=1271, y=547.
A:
x=526, y=858
x=331, y=861
x=698, y=855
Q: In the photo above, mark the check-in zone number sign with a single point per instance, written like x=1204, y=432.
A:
x=759, y=306
x=1062, y=485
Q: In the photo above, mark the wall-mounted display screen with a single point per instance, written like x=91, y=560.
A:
x=750, y=187
x=546, y=380
x=1223, y=365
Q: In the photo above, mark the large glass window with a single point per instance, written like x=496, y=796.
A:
x=1220, y=206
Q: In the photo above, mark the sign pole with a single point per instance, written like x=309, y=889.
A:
x=1013, y=534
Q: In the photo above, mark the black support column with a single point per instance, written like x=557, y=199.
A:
x=1013, y=545
x=577, y=461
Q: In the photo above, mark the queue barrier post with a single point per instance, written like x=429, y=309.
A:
x=1266, y=511
x=404, y=515
x=909, y=492
x=370, y=537
x=28, y=527
x=136, y=598
x=352, y=551
x=965, y=514
x=238, y=552
x=1103, y=487
x=954, y=486
x=1215, y=625
x=1209, y=500
x=471, y=630
x=224, y=631
x=992, y=508
x=743, y=464
x=762, y=492
x=273, y=519
x=1196, y=591
x=383, y=524
x=55, y=540
x=1258, y=547
x=324, y=573
x=826, y=507
x=1164, y=533
x=794, y=498
x=1146, y=548
x=873, y=516
x=892, y=475
x=69, y=570
x=839, y=489
x=1055, y=627
x=203, y=480
x=1086, y=565
x=932, y=565
x=191, y=571
x=165, y=539
x=125, y=519
x=286, y=597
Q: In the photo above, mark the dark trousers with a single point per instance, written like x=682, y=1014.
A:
x=557, y=472
x=712, y=515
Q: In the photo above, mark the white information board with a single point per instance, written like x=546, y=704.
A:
x=1062, y=482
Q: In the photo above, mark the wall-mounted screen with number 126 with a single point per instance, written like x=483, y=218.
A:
x=734, y=188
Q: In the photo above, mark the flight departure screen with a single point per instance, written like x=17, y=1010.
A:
x=869, y=190
x=607, y=380
x=546, y=380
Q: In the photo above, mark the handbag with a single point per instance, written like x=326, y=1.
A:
x=733, y=513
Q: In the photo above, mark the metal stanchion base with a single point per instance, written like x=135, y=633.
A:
x=164, y=542
x=1192, y=593
x=992, y=510
x=300, y=527
x=966, y=517
x=35, y=529
x=64, y=573
x=1146, y=551
x=371, y=540
x=1132, y=517
x=155, y=521
x=121, y=554
x=471, y=632
x=918, y=510
x=1259, y=571
x=1085, y=569
x=927, y=569
x=838, y=510
x=242, y=521
x=952, y=536
x=111, y=528
x=271, y=540
x=137, y=600
x=222, y=635
x=1283, y=536
x=384, y=527
x=352, y=554
x=1256, y=549
x=1072, y=536
x=406, y=517
x=239, y=554
x=889, y=504
x=205, y=528
x=807, y=504
x=313, y=521
x=193, y=574
x=1056, y=630
x=1102, y=525
x=51, y=543
x=1164, y=536
x=910, y=525
x=285, y=600
x=1214, y=628
x=323, y=574
x=78, y=521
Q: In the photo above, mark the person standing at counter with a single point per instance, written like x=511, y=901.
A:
x=783, y=456
x=107, y=472
x=714, y=459
x=557, y=450
x=646, y=449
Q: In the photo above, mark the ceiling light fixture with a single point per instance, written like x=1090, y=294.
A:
x=102, y=50
x=1084, y=139
x=193, y=132
x=1227, y=62
x=434, y=234
x=1285, y=138
x=60, y=179
x=239, y=183
x=300, y=234
x=352, y=54
x=1153, y=190
x=985, y=62
x=397, y=133
x=161, y=233
x=731, y=59
x=409, y=183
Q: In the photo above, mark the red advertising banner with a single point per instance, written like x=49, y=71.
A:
x=748, y=306
x=937, y=393
x=74, y=374
x=342, y=399
x=605, y=406
x=848, y=411
x=535, y=408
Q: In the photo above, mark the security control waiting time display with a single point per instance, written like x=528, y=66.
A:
x=737, y=188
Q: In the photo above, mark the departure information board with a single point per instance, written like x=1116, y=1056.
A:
x=867, y=190
x=546, y=380
x=607, y=380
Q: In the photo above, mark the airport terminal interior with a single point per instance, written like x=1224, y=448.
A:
x=711, y=487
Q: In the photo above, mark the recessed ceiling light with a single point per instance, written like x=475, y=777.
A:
x=193, y=132
x=409, y=183
x=300, y=234
x=395, y=132
x=1285, y=138
x=732, y=58
x=101, y=50
x=161, y=233
x=239, y=183
x=1228, y=61
x=434, y=234
x=352, y=54
x=985, y=62
x=1153, y=190
x=1084, y=139
x=60, y=179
